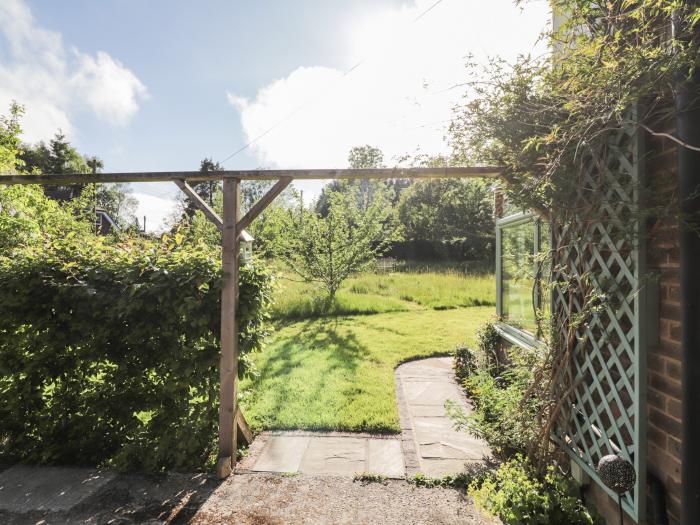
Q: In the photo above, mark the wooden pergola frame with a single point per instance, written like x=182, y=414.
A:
x=231, y=420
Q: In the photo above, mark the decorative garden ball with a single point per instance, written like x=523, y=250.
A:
x=617, y=473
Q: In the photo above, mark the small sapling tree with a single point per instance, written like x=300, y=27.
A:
x=328, y=249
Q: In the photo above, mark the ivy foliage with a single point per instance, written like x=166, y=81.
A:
x=109, y=352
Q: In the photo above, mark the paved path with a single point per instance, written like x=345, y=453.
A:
x=431, y=445
x=334, y=454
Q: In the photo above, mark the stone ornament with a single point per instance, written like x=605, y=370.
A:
x=617, y=473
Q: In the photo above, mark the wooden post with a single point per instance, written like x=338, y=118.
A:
x=228, y=368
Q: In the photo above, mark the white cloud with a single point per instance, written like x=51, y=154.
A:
x=158, y=210
x=53, y=84
x=111, y=90
x=397, y=99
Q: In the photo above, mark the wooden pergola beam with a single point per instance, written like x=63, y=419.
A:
x=197, y=176
x=200, y=203
x=263, y=203
x=228, y=363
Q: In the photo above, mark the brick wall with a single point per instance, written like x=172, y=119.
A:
x=664, y=396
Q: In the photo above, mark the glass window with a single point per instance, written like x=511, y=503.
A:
x=522, y=271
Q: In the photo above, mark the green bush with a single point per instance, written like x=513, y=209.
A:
x=109, y=353
x=464, y=362
x=503, y=413
x=518, y=496
x=489, y=341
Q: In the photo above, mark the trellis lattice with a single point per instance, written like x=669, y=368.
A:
x=598, y=272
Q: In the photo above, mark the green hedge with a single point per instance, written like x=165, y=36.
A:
x=109, y=353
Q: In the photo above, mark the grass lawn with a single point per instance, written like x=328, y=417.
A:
x=371, y=293
x=337, y=373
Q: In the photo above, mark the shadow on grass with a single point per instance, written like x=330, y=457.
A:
x=341, y=351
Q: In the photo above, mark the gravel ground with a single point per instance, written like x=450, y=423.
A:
x=262, y=499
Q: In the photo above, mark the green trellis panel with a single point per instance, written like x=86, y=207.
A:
x=608, y=413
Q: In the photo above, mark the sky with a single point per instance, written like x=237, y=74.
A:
x=162, y=84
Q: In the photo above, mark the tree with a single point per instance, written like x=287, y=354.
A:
x=61, y=157
x=363, y=191
x=449, y=210
x=58, y=157
x=27, y=216
x=205, y=189
x=328, y=249
x=10, y=144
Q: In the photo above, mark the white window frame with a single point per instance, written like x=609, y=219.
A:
x=510, y=333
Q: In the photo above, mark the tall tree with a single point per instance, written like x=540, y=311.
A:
x=363, y=191
x=447, y=209
x=206, y=189
x=10, y=144
x=58, y=157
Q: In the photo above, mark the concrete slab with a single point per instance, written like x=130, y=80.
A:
x=27, y=489
x=316, y=453
x=384, y=458
x=431, y=393
x=281, y=454
x=339, y=456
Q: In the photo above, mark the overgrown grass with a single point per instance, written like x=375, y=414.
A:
x=338, y=373
x=370, y=293
x=437, y=290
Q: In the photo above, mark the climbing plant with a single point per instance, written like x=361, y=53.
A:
x=565, y=122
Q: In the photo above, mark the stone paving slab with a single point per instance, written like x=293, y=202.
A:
x=430, y=443
x=24, y=488
x=325, y=454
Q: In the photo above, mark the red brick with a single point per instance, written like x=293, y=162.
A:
x=669, y=348
x=665, y=464
x=656, y=362
x=674, y=331
x=674, y=447
x=670, y=310
x=673, y=369
x=674, y=409
x=666, y=386
x=657, y=436
x=666, y=423
x=656, y=399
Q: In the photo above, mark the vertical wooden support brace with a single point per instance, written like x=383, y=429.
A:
x=228, y=367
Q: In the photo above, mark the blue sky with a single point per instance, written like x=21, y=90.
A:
x=159, y=85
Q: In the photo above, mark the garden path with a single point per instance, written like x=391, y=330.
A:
x=428, y=443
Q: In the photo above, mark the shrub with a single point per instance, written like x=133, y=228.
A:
x=488, y=341
x=109, y=353
x=503, y=413
x=518, y=496
x=464, y=362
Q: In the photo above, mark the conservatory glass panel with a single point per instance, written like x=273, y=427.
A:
x=518, y=275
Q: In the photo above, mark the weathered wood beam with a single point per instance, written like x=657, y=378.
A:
x=245, y=434
x=200, y=203
x=228, y=366
x=263, y=203
x=196, y=176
